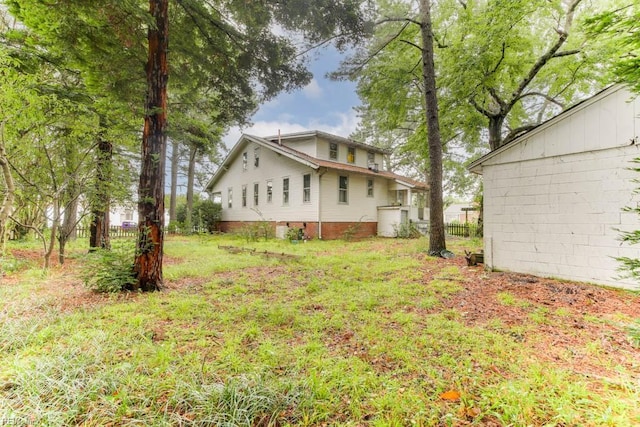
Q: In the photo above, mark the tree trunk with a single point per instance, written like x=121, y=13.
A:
x=99, y=229
x=54, y=229
x=436, y=214
x=175, y=163
x=191, y=172
x=7, y=203
x=68, y=228
x=495, y=131
x=149, y=249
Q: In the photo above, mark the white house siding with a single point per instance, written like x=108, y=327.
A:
x=272, y=167
x=360, y=207
x=553, y=202
x=306, y=146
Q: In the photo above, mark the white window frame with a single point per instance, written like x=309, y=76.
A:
x=344, y=190
x=333, y=154
x=244, y=196
x=286, y=191
x=370, y=187
x=306, y=190
x=256, y=193
x=269, y=191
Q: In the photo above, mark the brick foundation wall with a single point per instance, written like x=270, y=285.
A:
x=330, y=230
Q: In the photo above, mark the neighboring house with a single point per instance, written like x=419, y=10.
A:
x=120, y=215
x=462, y=213
x=324, y=184
x=554, y=197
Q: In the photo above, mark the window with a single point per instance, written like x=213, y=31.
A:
x=217, y=197
x=269, y=191
x=128, y=215
x=351, y=155
x=256, y=190
x=230, y=197
x=306, y=188
x=343, y=189
x=285, y=191
x=244, y=196
x=333, y=151
x=244, y=161
x=256, y=157
x=369, y=188
x=371, y=158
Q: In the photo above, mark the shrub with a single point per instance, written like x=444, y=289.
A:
x=406, y=230
x=206, y=215
x=109, y=270
x=254, y=231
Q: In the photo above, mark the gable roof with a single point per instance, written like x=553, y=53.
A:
x=476, y=166
x=272, y=143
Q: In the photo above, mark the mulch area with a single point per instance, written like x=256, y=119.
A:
x=559, y=319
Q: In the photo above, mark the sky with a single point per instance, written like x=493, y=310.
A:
x=323, y=104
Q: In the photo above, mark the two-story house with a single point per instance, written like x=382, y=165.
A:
x=324, y=184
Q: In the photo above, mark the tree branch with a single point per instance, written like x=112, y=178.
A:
x=517, y=132
x=545, y=96
x=535, y=69
x=410, y=43
x=566, y=53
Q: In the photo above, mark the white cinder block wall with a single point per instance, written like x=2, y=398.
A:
x=553, y=203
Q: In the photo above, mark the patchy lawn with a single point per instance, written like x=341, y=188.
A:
x=370, y=333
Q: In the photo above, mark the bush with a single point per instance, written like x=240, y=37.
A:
x=406, y=230
x=109, y=270
x=254, y=231
x=205, y=215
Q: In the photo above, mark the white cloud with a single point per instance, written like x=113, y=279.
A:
x=341, y=124
x=313, y=90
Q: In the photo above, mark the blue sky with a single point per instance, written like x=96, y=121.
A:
x=322, y=105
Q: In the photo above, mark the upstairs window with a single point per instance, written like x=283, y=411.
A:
x=333, y=151
x=269, y=191
x=230, y=197
x=217, y=197
x=244, y=196
x=343, y=189
x=306, y=188
x=351, y=155
x=371, y=158
x=285, y=191
x=256, y=157
x=244, y=161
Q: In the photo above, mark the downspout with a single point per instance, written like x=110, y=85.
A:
x=320, y=203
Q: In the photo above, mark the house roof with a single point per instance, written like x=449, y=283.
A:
x=331, y=137
x=476, y=166
x=272, y=143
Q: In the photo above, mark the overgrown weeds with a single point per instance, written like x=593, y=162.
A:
x=360, y=333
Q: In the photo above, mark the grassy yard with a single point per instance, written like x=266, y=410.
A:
x=370, y=333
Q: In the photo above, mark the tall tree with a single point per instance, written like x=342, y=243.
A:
x=436, y=212
x=149, y=250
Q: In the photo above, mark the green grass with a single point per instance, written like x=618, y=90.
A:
x=346, y=335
